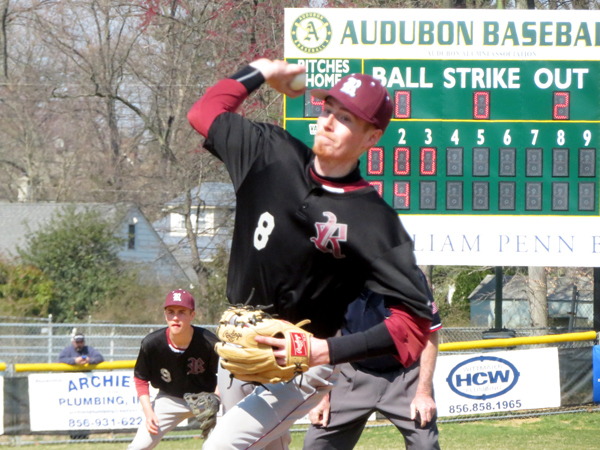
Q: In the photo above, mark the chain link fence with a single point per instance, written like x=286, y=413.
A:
x=27, y=341
x=41, y=341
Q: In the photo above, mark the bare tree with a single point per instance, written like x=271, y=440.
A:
x=537, y=297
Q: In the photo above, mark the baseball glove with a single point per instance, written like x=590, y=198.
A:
x=250, y=361
x=205, y=406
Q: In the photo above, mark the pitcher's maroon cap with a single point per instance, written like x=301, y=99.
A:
x=364, y=96
x=180, y=297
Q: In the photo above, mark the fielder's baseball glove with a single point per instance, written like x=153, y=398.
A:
x=250, y=361
x=205, y=406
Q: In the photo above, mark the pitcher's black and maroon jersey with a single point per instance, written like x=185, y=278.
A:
x=177, y=372
x=302, y=243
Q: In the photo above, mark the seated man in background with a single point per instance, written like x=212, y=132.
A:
x=380, y=384
x=78, y=353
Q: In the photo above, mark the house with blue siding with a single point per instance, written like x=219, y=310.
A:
x=143, y=246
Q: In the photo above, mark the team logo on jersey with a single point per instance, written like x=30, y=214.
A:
x=311, y=32
x=196, y=366
x=330, y=234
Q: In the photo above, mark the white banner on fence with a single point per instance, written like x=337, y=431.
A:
x=505, y=241
x=497, y=381
x=85, y=401
x=1, y=405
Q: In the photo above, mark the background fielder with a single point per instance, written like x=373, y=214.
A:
x=176, y=360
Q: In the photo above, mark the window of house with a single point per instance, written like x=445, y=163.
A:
x=131, y=236
x=206, y=222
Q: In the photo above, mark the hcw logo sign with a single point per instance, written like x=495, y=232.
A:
x=311, y=32
x=483, y=377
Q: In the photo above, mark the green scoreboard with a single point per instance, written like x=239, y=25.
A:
x=496, y=120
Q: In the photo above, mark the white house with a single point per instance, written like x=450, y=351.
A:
x=212, y=213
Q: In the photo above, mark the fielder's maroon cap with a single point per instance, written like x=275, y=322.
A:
x=180, y=297
x=364, y=96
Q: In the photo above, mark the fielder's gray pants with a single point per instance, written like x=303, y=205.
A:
x=261, y=419
x=170, y=411
x=357, y=395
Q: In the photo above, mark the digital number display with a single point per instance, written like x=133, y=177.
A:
x=454, y=161
x=375, y=161
x=560, y=162
x=560, y=196
x=313, y=107
x=587, y=196
x=481, y=105
x=454, y=195
x=561, y=102
x=481, y=162
x=402, y=161
x=402, y=104
x=507, y=194
x=481, y=195
x=534, y=162
x=587, y=162
x=508, y=162
x=402, y=195
x=428, y=160
x=427, y=195
x=533, y=196
x=378, y=185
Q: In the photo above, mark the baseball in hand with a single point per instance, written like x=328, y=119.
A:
x=299, y=82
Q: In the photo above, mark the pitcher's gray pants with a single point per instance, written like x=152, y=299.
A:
x=257, y=418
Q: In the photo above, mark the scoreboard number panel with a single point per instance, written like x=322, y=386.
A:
x=495, y=128
x=489, y=136
x=491, y=178
x=454, y=161
x=508, y=162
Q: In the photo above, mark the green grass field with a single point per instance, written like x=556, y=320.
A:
x=560, y=432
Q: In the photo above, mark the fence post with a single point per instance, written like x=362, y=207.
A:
x=112, y=343
x=596, y=298
x=573, y=312
x=49, y=338
x=498, y=304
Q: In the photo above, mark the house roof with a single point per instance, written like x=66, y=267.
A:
x=517, y=288
x=18, y=219
x=209, y=194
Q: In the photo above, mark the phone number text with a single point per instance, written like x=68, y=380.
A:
x=105, y=422
x=483, y=407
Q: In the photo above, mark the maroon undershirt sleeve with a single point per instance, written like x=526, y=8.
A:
x=225, y=96
x=142, y=387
